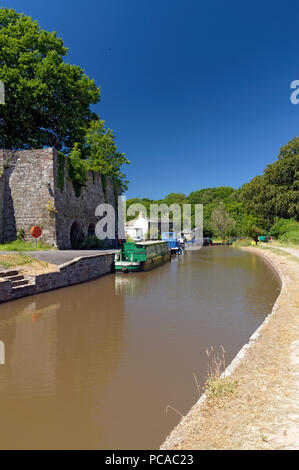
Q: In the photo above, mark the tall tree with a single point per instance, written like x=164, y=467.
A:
x=98, y=153
x=47, y=100
x=175, y=198
x=101, y=152
x=220, y=220
x=276, y=192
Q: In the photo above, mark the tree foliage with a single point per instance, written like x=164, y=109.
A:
x=77, y=169
x=220, y=220
x=175, y=198
x=272, y=198
x=47, y=100
x=101, y=153
x=285, y=230
x=98, y=153
x=275, y=194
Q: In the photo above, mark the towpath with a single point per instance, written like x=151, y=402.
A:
x=263, y=410
x=292, y=251
x=59, y=257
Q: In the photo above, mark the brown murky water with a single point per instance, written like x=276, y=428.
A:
x=94, y=366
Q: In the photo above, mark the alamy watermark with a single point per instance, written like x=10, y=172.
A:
x=2, y=93
x=295, y=94
x=160, y=218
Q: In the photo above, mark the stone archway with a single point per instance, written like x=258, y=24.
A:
x=76, y=235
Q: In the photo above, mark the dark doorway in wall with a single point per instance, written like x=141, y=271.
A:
x=76, y=235
x=91, y=229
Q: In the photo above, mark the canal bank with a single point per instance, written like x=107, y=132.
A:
x=123, y=348
x=75, y=271
x=259, y=408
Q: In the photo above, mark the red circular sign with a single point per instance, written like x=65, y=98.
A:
x=36, y=231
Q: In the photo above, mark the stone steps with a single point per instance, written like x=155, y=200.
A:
x=8, y=274
x=23, y=282
x=22, y=291
x=15, y=278
x=19, y=283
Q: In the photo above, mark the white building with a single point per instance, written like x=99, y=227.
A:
x=137, y=228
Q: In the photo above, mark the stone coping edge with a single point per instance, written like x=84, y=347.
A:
x=76, y=271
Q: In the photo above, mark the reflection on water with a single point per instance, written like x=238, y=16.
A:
x=95, y=365
x=129, y=285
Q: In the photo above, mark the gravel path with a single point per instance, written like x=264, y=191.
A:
x=59, y=257
x=292, y=251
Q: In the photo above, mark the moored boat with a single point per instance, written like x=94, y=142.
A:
x=173, y=242
x=141, y=256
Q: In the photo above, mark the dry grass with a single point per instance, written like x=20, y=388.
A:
x=26, y=264
x=220, y=388
x=217, y=388
x=37, y=267
x=216, y=362
x=13, y=260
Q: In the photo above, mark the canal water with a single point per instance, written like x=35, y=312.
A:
x=95, y=366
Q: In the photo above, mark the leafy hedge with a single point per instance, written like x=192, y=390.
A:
x=283, y=226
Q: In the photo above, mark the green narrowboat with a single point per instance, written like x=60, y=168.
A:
x=141, y=256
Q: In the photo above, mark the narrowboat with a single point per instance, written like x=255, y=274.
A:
x=173, y=243
x=264, y=239
x=141, y=256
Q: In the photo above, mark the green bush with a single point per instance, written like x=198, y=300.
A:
x=283, y=226
x=242, y=242
x=290, y=237
x=286, y=231
x=20, y=234
x=91, y=242
x=77, y=169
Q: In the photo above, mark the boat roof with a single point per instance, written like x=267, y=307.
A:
x=151, y=242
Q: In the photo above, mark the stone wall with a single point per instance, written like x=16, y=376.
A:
x=31, y=193
x=2, y=188
x=29, y=184
x=78, y=270
x=81, y=210
x=5, y=291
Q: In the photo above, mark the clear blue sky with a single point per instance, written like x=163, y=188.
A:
x=197, y=92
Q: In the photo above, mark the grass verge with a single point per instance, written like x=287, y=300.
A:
x=242, y=242
x=285, y=244
x=218, y=388
x=279, y=252
x=13, y=260
x=20, y=245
